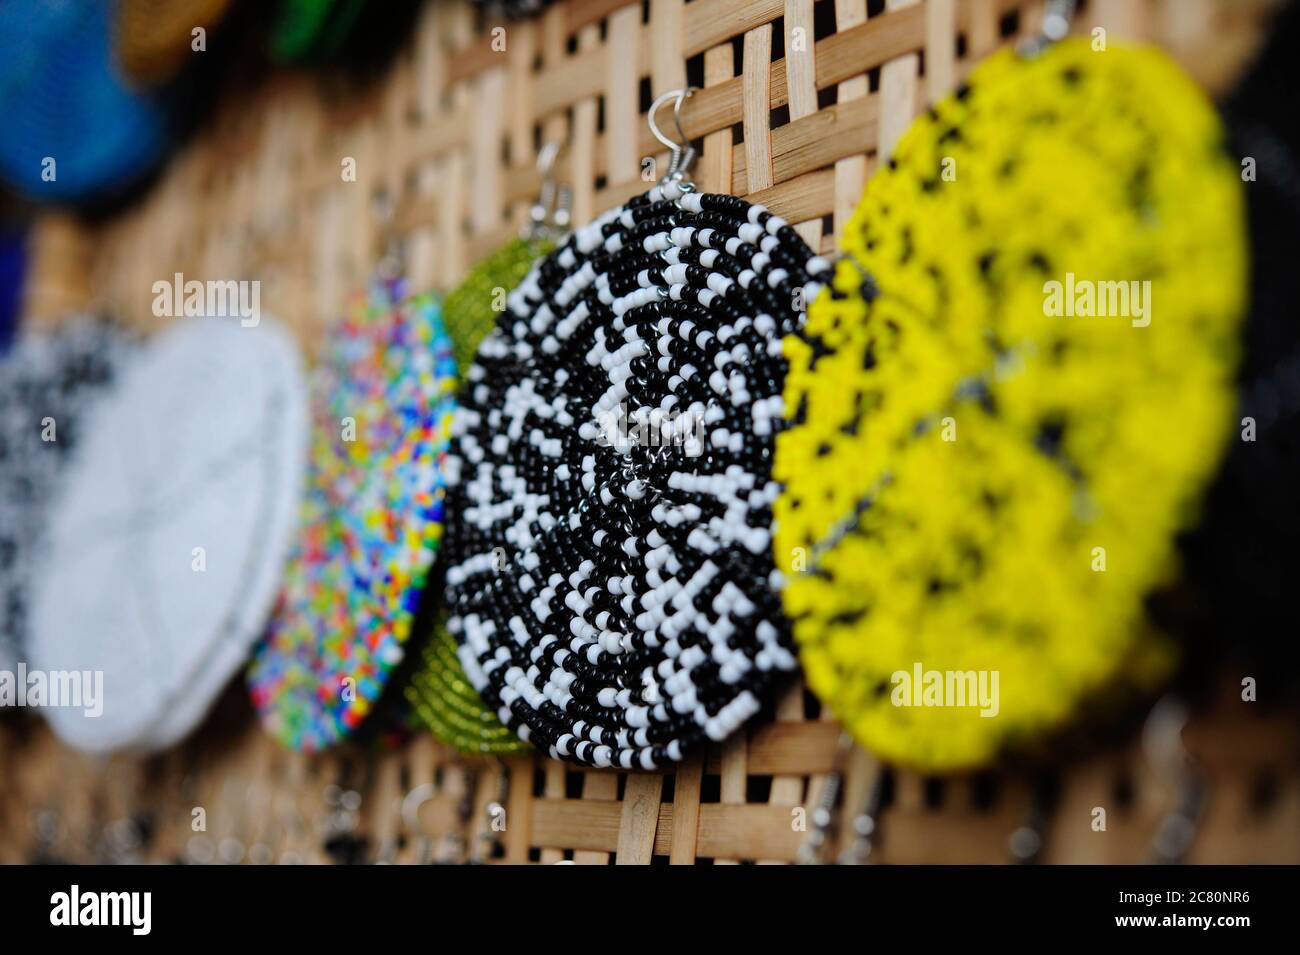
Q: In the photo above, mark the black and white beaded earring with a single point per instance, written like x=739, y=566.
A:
x=49, y=384
x=610, y=564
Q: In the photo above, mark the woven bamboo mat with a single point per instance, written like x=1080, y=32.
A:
x=449, y=139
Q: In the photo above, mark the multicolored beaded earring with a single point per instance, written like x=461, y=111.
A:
x=609, y=557
x=441, y=696
x=1009, y=401
x=382, y=402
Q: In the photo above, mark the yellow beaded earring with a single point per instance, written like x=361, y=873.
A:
x=1009, y=401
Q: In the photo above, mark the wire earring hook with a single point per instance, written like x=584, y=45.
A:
x=682, y=152
x=550, y=211
x=1162, y=741
x=1056, y=24
x=411, y=804
x=392, y=264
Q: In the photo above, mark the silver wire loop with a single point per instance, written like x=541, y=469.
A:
x=546, y=158
x=413, y=801
x=682, y=153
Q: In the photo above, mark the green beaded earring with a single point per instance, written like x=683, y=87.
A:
x=441, y=696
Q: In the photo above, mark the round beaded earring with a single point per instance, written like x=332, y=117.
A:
x=168, y=536
x=72, y=131
x=1007, y=404
x=609, y=559
x=441, y=696
x=382, y=402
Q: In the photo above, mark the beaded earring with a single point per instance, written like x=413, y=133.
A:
x=48, y=384
x=308, y=30
x=987, y=465
x=441, y=697
x=372, y=521
x=170, y=531
x=155, y=37
x=72, y=131
x=609, y=558
x=383, y=396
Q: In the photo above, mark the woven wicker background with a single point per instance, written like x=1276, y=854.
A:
x=799, y=101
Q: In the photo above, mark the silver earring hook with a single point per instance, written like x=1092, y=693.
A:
x=682, y=152
x=1162, y=742
x=552, y=200
x=563, y=209
x=413, y=801
x=1056, y=25
x=813, y=848
x=392, y=264
x=546, y=158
